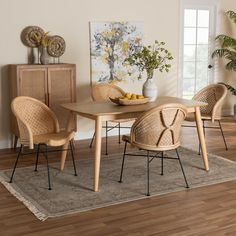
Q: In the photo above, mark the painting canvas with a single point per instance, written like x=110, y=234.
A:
x=111, y=43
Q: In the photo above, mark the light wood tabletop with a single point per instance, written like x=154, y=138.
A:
x=105, y=111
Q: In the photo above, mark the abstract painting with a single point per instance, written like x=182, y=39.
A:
x=111, y=44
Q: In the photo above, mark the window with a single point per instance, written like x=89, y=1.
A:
x=197, y=43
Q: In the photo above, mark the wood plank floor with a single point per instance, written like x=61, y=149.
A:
x=207, y=210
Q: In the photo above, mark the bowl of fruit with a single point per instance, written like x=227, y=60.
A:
x=130, y=99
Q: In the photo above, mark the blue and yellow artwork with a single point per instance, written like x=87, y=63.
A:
x=111, y=44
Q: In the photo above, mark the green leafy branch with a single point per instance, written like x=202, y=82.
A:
x=230, y=88
x=232, y=15
x=151, y=57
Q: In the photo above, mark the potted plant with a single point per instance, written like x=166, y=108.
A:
x=227, y=50
x=150, y=58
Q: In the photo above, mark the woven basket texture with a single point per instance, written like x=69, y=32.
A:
x=102, y=92
x=159, y=128
x=35, y=120
x=213, y=95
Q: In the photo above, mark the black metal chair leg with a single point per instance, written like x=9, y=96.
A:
x=37, y=158
x=106, y=136
x=162, y=163
x=73, y=159
x=91, y=143
x=123, y=161
x=148, y=162
x=119, y=131
x=21, y=147
x=46, y=156
x=226, y=147
x=187, y=186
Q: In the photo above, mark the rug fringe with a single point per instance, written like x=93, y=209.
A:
x=41, y=216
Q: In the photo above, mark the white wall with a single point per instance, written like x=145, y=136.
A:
x=70, y=19
x=228, y=27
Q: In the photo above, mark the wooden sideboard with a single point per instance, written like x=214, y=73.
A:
x=52, y=84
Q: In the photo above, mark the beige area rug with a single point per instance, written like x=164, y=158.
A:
x=73, y=194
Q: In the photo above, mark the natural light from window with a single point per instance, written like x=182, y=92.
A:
x=195, y=51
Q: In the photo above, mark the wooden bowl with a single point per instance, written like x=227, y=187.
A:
x=129, y=102
x=115, y=100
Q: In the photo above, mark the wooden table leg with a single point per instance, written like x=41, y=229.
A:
x=201, y=136
x=68, y=128
x=63, y=156
x=98, y=142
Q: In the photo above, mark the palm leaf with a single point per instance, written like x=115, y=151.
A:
x=226, y=41
x=230, y=88
x=223, y=52
x=231, y=65
x=227, y=50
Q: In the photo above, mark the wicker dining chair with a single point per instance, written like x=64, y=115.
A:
x=157, y=131
x=38, y=126
x=214, y=96
x=102, y=92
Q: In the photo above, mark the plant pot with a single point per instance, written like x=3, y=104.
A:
x=150, y=89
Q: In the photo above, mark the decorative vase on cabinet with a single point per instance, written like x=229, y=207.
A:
x=44, y=58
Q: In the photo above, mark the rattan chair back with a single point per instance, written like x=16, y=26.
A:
x=159, y=128
x=213, y=95
x=33, y=118
x=102, y=92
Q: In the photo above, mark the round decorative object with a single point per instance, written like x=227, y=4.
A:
x=150, y=90
x=57, y=46
x=31, y=36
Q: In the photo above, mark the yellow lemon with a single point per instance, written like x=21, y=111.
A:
x=128, y=95
x=140, y=96
x=133, y=96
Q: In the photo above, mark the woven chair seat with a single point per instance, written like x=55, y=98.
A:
x=104, y=92
x=156, y=130
x=213, y=95
x=38, y=125
x=54, y=139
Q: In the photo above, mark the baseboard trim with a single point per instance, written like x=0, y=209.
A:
x=227, y=112
x=5, y=144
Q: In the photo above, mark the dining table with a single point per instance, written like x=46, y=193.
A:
x=107, y=111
